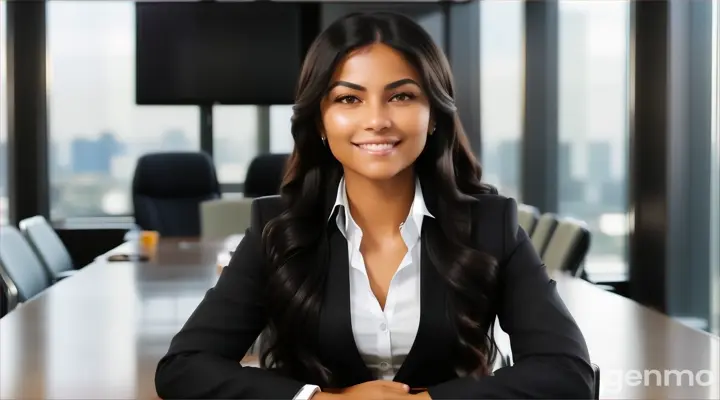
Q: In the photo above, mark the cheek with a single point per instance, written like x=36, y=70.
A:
x=414, y=123
x=339, y=124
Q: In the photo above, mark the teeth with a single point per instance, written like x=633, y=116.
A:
x=377, y=147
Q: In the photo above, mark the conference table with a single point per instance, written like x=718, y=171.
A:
x=100, y=333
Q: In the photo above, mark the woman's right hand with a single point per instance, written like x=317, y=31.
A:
x=372, y=390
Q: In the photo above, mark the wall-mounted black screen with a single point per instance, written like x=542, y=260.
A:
x=220, y=52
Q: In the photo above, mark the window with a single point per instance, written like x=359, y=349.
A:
x=237, y=138
x=234, y=141
x=96, y=131
x=281, y=140
x=715, y=172
x=3, y=121
x=501, y=81
x=593, y=120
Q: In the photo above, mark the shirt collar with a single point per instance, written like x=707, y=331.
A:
x=418, y=209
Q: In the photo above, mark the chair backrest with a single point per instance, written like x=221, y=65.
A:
x=21, y=270
x=224, y=217
x=568, y=247
x=596, y=388
x=168, y=189
x=528, y=217
x=264, y=175
x=47, y=245
x=543, y=232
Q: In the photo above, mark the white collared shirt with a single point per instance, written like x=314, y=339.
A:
x=383, y=336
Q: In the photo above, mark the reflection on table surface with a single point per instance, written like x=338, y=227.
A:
x=101, y=333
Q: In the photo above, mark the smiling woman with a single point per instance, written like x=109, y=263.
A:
x=382, y=214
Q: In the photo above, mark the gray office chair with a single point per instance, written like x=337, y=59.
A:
x=220, y=218
x=568, y=247
x=49, y=248
x=21, y=271
x=543, y=232
x=528, y=217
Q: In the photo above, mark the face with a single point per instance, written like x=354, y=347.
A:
x=376, y=116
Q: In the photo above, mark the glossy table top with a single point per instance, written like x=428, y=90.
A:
x=642, y=354
x=99, y=334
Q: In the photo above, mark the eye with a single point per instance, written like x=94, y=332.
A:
x=402, y=97
x=347, y=99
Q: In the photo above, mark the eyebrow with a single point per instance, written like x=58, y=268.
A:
x=389, y=86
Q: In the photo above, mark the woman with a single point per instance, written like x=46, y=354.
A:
x=379, y=271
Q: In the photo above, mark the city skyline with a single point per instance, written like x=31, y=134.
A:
x=91, y=87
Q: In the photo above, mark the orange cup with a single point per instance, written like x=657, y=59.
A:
x=149, y=241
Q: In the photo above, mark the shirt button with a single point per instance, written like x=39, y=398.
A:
x=384, y=366
x=383, y=327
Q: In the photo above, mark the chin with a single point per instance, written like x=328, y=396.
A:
x=379, y=173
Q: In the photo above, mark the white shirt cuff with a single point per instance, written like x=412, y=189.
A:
x=306, y=392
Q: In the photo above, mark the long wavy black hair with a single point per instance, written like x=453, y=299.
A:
x=296, y=242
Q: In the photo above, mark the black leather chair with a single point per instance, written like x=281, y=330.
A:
x=264, y=175
x=21, y=271
x=167, y=191
x=48, y=246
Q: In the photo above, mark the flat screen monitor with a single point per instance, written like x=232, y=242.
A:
x=213, y=52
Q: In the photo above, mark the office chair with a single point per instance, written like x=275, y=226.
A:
x=49, y=248
x=167, y=191
x=21, y=271
x=221, y=218
x=543, y=232
x=596, y=388
x=264, y=175
x=528, y=217
x=568, y=246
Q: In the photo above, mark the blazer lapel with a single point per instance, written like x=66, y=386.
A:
x=335, y=322
x=432, y=330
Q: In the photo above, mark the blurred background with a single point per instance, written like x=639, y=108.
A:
x=551, y=94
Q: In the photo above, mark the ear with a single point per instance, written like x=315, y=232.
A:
x=431, y=125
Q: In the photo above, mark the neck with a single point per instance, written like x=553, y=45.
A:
x=379, y=207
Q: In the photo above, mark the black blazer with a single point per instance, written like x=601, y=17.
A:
x=549, y=351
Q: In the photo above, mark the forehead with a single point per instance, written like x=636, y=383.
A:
x=374, y=65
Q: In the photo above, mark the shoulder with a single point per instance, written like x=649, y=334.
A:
x=493, y=207
x=495, y=223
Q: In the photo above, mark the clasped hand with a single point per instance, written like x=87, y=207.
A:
x=372, y=390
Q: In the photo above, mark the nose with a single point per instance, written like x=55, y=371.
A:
x=378, y=117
